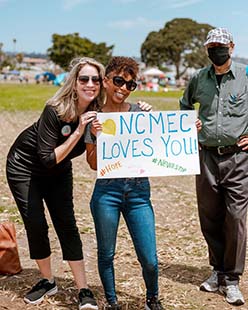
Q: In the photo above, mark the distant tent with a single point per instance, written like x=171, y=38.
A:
x=154, y=72
x=49, y=76
x=45, y=77
x=14, y=72
x=37, y=77
x=60, y=79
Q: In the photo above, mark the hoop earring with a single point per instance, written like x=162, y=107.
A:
x=75, y=96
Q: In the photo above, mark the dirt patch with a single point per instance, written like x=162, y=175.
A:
x=182, y=251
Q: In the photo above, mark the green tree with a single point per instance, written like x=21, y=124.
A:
x=151, y=52
x=180, y=43
x=1, y=54
x=67, y=47
x=5, y=60
x=19, y=57
x=102, y=52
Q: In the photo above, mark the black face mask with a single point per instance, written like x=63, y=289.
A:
x=218, y=55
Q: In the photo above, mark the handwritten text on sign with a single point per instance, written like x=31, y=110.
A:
x=139, y=144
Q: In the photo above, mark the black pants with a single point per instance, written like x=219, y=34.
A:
x=30, y=193
x=222, y=194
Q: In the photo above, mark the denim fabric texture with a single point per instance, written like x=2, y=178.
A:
x=131, y=198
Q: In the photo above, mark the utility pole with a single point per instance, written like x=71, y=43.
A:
x=14, y=42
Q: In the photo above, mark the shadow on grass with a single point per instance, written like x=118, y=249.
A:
x=66, y=298
x=184, y=274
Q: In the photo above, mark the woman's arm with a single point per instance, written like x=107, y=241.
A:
x=64, y=149
x=91, y=155
x=91, y=152
x=49, y=131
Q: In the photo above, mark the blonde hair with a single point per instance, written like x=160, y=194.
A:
x=65, y=99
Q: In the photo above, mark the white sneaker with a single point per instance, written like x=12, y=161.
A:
x=233, y=294
x=211, y=284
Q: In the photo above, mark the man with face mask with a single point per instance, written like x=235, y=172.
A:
x=221, y=90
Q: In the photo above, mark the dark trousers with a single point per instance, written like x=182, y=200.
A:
x=30, y=193
x=222, y=194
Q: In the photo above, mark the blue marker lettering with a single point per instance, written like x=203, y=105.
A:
x=128, y=126
x=166, y=144
x=181, y=123
x=136, y=123
x=125, y=151
x=157, y=121
x=176, y=147
x=170, y=123
x=146, y=143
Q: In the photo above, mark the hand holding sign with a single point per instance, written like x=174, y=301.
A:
x=138, y=144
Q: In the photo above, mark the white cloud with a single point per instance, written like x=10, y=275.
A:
x=70, y=4
x=135, y=23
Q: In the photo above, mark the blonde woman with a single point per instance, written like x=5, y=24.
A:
x=39, y=170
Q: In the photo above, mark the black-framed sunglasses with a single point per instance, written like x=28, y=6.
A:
x=120, y=81
x=84, y=79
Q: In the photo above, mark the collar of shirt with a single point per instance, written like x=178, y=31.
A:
x=232, y=70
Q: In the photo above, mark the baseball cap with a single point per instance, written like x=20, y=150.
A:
x=219, y=35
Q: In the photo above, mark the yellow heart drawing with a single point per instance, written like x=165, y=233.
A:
x=109, y=127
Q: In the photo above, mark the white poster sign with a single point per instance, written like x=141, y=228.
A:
x=140, y=144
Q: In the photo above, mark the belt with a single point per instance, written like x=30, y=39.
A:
x=222, y=150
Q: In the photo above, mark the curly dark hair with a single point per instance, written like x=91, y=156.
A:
x=119, y=64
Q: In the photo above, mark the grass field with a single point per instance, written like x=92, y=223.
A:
x=22, y=97
x=182, y=251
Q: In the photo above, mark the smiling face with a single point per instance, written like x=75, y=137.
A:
x=87, y=85
x=116, y=94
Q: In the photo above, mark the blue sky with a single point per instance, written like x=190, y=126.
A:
x=123, y=23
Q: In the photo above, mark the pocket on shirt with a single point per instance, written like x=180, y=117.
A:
x=237, y=104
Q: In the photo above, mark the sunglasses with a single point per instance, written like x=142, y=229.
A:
x=120, y=81
x=84, y=79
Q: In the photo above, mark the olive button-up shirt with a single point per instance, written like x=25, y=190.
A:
x=223, y=109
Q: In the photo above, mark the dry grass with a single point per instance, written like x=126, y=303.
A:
x=182, y=251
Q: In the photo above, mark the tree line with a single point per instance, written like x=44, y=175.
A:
x=178, y=43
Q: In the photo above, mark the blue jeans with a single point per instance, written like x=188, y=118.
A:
x=131, y=197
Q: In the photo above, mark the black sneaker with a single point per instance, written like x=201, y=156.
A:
x=153, y=304
x=41, y=289
x=86, y=300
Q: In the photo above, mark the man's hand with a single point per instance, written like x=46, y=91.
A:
x=198, y=124
x=243, y=143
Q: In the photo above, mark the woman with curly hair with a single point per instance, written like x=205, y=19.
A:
x=127, y=196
